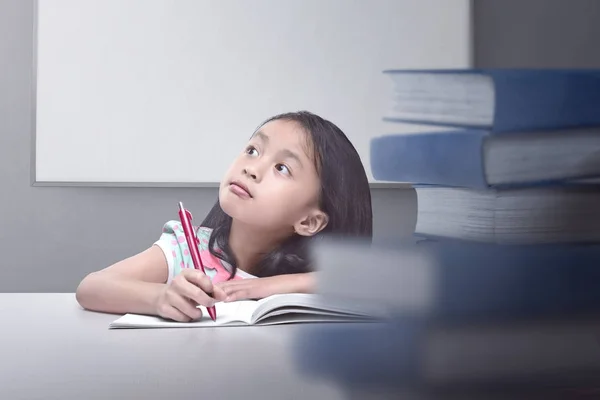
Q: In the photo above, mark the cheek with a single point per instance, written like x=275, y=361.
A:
x=234, y=167
x=308, y=192
x=296, y=199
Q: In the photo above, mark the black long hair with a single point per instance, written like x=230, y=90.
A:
x=345, y=197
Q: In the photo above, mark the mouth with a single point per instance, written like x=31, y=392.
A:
x=240, y=187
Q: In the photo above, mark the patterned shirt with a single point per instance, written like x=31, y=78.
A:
x=174, y=245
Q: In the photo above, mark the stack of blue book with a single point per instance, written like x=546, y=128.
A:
x=502, y=291
x=514, y=157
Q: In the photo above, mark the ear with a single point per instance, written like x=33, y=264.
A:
x=312, y=223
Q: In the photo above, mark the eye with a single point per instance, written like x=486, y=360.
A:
x=251, y=150
x=283, y=169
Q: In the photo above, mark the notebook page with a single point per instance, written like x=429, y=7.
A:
x=310, y=303
x=299, y=314
x=309, y=318
x=231, y=314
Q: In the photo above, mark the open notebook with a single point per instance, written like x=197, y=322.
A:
x=276, y=309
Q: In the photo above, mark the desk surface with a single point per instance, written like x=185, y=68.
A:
x=53, y=349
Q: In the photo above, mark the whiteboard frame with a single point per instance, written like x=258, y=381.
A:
x=33, y=165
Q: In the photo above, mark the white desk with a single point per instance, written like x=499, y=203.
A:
x=53, y=349
x=50, y=349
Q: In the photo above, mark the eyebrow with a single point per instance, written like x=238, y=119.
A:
x=260, y=135
x=285, y=153
x=290, y=154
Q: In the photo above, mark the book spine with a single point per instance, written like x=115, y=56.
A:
x=545, y=100
x=438, y=158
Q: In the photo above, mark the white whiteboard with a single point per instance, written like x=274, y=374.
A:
x=169, y=91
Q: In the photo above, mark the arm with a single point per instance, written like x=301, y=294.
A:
x=131, y=285
x=303, y=283
x=257, y=288
x=137, y=285
x=152, y=282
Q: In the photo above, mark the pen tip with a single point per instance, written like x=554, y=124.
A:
x=181, y=206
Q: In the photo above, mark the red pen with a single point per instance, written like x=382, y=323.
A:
x=186, y=221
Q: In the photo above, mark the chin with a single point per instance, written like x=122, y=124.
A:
x=231, y=207
x=224, y=202
x=240, y=211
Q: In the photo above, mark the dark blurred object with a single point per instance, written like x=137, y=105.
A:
x=456, y=281
x=551, y=357
x=464, y=318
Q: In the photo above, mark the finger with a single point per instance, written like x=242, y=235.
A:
x=228, y=289
x=232, y=286
x=183, y=305
x=218, y=293
x=169, y=312
x=239, y=294
x=199, y=279
x=232, y=292
x=190, y=290
x=232, y=283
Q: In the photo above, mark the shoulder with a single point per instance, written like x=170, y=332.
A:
x=174, y=245
x=174, y=227
x=172, y=233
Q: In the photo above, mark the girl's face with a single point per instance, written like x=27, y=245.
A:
x=273, y=184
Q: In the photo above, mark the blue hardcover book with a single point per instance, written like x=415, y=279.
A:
x=476, y=158
x=460, y=315
x=542, y=214
x=455, y=281
x=405, y=353
x=500, y=100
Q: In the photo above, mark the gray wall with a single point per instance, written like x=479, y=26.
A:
x=536, y=33
x=50, y=237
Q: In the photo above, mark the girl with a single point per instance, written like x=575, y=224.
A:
x=298, y=178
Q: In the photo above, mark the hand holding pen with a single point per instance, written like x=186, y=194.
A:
x=186, y=221
x=178, y=300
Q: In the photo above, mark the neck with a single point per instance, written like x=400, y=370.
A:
x=249, y=244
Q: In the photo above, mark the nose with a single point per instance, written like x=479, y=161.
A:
x=251, y=173
x=255, y=168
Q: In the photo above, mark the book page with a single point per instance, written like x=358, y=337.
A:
x=303, y=318
x=302, y=314
x=311, y=304
x=228, y=314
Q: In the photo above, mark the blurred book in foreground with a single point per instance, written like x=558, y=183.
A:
x=454, y=280
x=552, y=356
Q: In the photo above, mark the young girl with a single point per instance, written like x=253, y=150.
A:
x=298, y=178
